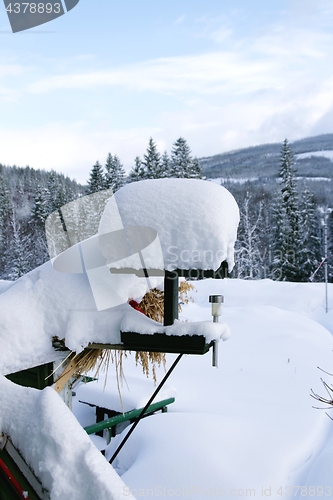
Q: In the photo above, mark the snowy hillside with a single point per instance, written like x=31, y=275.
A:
x=313, y=155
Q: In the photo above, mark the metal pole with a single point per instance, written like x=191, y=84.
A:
x=326, y=274
x=145, y=408
x=170, y=297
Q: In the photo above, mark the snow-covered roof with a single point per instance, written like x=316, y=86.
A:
x=55, y=446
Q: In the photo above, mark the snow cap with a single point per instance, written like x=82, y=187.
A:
x=157, y=225
x=195, y=222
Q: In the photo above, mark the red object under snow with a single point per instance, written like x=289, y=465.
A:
x=135, y=305
x=15, y=484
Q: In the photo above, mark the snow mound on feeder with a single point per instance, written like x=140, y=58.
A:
x=196, y=222
x=136, y=322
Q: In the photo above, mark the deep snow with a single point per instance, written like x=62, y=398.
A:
x=249, y=426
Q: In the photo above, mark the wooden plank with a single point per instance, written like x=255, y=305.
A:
x=67, y=373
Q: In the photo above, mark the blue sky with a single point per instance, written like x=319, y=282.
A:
x=109, y=74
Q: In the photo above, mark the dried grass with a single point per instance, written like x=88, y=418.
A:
x=99, y=360
x=152, y=305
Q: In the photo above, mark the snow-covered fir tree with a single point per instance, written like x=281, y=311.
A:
x=53, y=192
x=18, y=251
x=5, y=212
x=96, y=180
x=181, y=160
x=165, y=165
x=137, y=172
x=195, y=171
x=152, y=161
x=286, y=245
x=310, y=245
x=40, y=209
x=115, y=173
x=330, y=245
x=279, y=244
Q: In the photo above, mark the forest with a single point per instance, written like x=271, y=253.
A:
x=285, y=213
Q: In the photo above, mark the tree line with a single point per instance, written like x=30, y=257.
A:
x=29, y=196
x=153, y=165
x=280, y=235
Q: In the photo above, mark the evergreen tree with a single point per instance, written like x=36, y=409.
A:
x=309, y=236
x=96, y=181
x=330, y=245
x=115, y=173
x=53, y=192
x=40, y=209
x=18, y=251
x=152, y=161
x=5, y=205
x=165, y=165
x=5, y=211
x=137, y=173
x=287, y=219
x=181, y=160
x=195, y=172
x=279, y=244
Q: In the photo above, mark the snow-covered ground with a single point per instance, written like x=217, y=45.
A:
x=235, y=180
x=325, y=154
x=248, y=428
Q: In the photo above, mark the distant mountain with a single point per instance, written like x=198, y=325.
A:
x=262, y=162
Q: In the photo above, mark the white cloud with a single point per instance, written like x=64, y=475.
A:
x=278, y=55
x=72, y=148
x=180, y=19
x=257, y=87
x=206, y=73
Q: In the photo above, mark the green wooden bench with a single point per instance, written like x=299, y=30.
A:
x=129, y=416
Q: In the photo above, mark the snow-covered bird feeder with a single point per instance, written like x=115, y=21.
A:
x=158, y=229
x=172, y=228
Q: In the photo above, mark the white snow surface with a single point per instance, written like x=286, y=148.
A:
x=134, y=322
x=135, y=392
x=234, y=180
x=196, y=221
x=249, y=427
x=326, y=154
x=45, y=303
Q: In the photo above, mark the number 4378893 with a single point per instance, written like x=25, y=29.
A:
x=33, y=8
